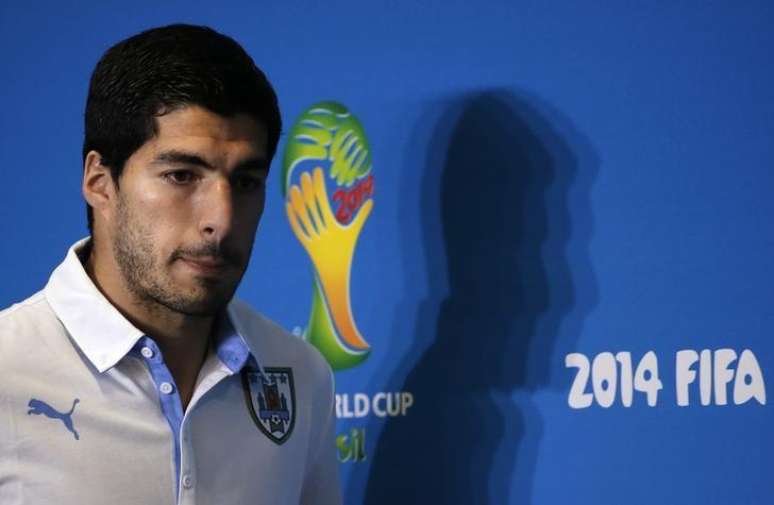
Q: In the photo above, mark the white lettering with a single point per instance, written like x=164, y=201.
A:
x=361, y=405
x=381, y=404
x=406, y=401
x=342, y=407
x=745, y=389
x=684, y=375
x=604, y=378
x=705, y=376
x=715, y=370
x=378, y=410
x=393, y=404
x=627, y=387
x=646, y=377
x=723, y=375
x=578, y=398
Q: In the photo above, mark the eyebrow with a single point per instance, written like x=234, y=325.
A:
x=257, y=163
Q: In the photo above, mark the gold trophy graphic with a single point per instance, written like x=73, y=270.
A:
x=327, y=140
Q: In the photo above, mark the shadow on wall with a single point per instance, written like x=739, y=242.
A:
x=509, y=284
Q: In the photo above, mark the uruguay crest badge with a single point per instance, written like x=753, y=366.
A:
x=271, y=400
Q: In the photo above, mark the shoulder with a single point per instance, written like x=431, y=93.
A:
x=23, y=308
x=26, y=318
x=272, y=345
x=31, y=336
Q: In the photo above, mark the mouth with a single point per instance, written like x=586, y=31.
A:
x=206, y=265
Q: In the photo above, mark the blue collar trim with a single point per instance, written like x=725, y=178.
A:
x=229, y=346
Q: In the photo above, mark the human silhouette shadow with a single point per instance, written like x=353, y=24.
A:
x=495, y=226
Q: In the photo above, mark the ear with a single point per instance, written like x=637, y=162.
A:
x=97, y=187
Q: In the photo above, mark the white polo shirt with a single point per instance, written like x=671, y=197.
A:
x=89, y=413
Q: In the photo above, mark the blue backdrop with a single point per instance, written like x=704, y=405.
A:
x=553, y=182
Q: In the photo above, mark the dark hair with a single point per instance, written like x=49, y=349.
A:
x=160, y=70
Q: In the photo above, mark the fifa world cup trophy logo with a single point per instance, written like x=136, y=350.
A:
x=328, y=189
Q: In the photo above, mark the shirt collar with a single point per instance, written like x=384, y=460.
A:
x=229, y=345
x=102, y=333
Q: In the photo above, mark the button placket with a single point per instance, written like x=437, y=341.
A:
x=171, y=406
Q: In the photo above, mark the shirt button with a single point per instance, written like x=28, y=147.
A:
x=147, y=352
x=166, y=388
x=187, y=481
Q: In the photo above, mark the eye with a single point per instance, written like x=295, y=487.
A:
x=246, y=182
x=180, y=177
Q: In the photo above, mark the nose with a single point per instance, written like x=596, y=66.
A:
x=216, y=211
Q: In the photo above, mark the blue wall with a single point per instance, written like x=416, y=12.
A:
x=550, y=178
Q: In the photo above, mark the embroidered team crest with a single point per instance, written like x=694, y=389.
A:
x=271, y=400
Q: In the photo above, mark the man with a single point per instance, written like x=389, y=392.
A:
x=133, y=377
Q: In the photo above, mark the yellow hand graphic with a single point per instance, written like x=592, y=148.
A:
x=330, y=245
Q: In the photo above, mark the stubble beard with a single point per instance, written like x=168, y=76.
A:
x=145, y=276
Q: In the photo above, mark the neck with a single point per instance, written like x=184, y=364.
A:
x=183, y=338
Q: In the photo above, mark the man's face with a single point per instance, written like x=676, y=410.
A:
x=188, y=205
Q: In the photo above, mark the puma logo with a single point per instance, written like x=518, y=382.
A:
x=38, y=407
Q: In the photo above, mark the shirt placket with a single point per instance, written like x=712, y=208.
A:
x=169, y=397
x=216, y=368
